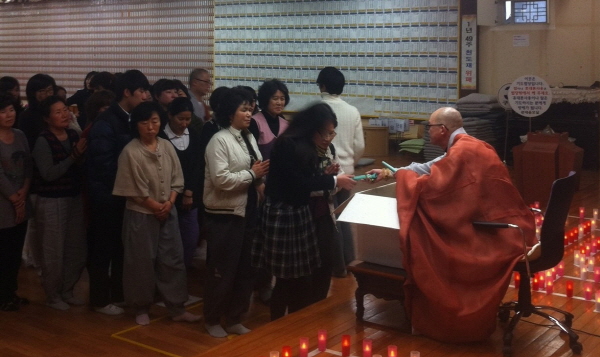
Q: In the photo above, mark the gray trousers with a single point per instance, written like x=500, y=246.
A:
x=61, y=232
x=153, y=260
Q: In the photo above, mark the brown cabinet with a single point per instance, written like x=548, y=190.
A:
x=376, y=141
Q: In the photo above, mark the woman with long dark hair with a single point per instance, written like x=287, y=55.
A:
x=296, y=226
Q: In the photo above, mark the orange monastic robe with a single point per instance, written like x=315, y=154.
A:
x=458, y=274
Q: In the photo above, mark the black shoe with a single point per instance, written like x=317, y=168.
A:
x=9, y=306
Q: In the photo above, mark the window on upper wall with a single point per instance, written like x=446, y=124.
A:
x=525, y=12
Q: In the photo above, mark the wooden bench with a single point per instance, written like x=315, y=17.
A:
x=381, y=281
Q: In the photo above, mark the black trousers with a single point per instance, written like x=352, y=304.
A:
x=105, y=252
x=230, y=275
x=12, y=240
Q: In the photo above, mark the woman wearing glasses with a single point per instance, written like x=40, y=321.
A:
x=296, y=226
x=232, y=180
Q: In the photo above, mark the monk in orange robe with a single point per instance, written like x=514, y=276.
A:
x=457, y=274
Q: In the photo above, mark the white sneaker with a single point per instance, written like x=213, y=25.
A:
x=110, y=309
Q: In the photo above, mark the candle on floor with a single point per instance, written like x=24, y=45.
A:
x=576, y=259
x=580, y=232
x=569, y=288
x=597, y=275
x=595, y=214
x=561, y=269
x=597, y=301
x=554, y=273
x=548, y=276
x=593, y=227
x=582, y=266
x=303, y=347
x=322, y=340
x=542, y=281
x=517, y=280
x=594, y=247
x=286, y=351
x=581, y=214
x=588, y=249
x=588, y=292
x=536, y=283
x=392, y=351
x=345, y=345
x=590, y=264
x=274, y=354
x=549, y=287
x=367, y=347
x=566, y=240
x=582, y=271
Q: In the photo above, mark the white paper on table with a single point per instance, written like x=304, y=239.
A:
x=372, y=210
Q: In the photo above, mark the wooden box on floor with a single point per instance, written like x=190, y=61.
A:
x=378, y=268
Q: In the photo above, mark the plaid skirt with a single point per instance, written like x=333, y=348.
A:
x=286, y=244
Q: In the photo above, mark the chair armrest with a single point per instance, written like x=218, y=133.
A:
x=495, y=224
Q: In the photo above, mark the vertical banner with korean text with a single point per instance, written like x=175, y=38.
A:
x=468, y=52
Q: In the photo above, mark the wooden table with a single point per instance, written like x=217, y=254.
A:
x=379, y=280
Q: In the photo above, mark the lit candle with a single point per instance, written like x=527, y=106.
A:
x=303, y=347
x=588, y=227
x=415, y=354
x=392, y=351
x=542, y=281
x=538, y=232
x=582, y=270
x=597, y=275
x=588, y=292
x=569, y=288
x=590, y=264
x=582, y=266
x=274, y=354
x=576, y=259
x=561, y=269
x=536, y=283
x=595, y=216
x=581, y=214
x=566, y=240
x=594, y=247
x=286, y=351
x=588, y=249
x=549, y=287
x=517, y=279
x=580, y=232
x=548, y=276
x=367, y=347
x=322, y=340
x=593, y=227
x=554, y=273
x=597, y=301
x=345, y=345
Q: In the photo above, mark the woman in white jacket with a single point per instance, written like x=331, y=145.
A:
x=233, y=182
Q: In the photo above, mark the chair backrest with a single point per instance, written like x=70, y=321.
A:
x=553, y=229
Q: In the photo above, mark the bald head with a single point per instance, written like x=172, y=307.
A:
x=442, y=123
x=448, y=116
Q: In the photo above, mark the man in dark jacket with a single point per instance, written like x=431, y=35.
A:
x=106, y=140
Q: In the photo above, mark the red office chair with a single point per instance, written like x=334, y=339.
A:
x=552, y=244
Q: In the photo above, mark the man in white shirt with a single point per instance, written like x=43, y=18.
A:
x=349, y=146
x=200, y=84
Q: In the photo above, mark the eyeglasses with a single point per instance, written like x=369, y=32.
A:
x=203, y=80
x=427, y=126
x=328, y=136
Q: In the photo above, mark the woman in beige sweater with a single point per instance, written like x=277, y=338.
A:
x=150, y=176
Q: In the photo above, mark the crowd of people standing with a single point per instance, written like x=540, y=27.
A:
x=129, y=180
